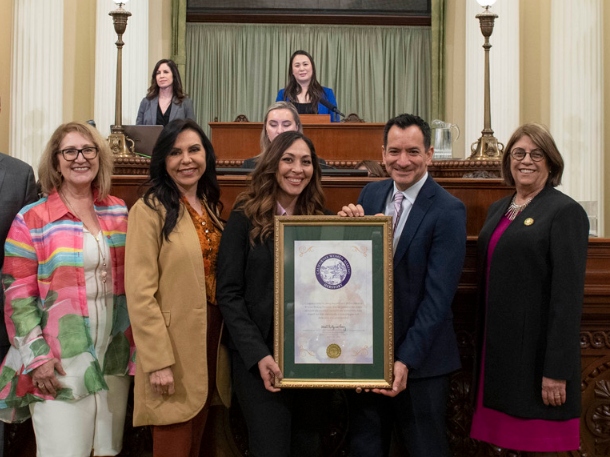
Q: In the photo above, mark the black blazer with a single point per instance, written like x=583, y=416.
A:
x=244, y=290
x=534, y=294
x=427, y=267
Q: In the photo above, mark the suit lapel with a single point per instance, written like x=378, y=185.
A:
x=174, y=112
x=381, y=197
x=416, y=216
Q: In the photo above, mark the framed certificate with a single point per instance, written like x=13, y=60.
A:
x=334, y=301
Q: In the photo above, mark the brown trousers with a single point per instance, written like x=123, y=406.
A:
x=184, y=439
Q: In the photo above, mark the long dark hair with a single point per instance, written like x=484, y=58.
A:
x=164, y=190
x=153, y=90
x=259, y=202
x=293, y=88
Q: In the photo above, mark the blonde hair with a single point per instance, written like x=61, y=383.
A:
x=264, y=140
x=48, y=173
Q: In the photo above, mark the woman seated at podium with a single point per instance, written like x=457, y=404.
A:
x=287, y=181
x=280, y=117
x=304, y=90
x=165, y=100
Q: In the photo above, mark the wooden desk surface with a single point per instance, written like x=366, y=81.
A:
x=335, y=141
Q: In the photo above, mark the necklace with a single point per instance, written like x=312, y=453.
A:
x=101, y=255
x=514, y=209
x=201, y=220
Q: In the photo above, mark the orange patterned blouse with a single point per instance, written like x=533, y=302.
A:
x=209, y=239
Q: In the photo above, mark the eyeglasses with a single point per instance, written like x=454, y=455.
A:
x=519, y=154
x=70, y=154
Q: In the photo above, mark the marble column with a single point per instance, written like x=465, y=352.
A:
x=37, y=76
x=577, y=96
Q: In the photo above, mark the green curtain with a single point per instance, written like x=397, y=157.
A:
x=376, y=72
x=178, y=34
x=438, y=59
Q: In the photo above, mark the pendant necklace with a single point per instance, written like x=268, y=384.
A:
x=514, y=209
x=101, y=254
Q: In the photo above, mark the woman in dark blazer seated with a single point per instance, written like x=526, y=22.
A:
x=165, y=100
x=279, y=117
x=304, y=90
x=532, y=253
x=286, y=181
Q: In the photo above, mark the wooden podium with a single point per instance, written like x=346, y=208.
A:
x=342, y=145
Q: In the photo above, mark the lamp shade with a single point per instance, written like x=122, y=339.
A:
x=483, y=3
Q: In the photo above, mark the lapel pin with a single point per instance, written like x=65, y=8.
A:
x=529, y=221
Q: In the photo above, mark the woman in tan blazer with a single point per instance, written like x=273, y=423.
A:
x=170, y=275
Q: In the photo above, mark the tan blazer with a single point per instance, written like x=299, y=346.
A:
x=166, y=298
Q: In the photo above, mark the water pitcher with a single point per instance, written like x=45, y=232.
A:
x=442, y=134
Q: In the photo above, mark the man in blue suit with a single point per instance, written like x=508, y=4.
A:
x=429, y=250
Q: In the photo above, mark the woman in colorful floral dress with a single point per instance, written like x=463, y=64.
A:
x=70, y=358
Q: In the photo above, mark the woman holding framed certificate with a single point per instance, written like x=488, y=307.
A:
x=286, y=181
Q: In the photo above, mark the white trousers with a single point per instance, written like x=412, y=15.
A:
x=75, y=428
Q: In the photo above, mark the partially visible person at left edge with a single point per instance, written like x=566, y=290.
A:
x=532, y=255
x=165, y=100
x=17, y=189
x=66, y=315
x=429, y=250
x=303, y=89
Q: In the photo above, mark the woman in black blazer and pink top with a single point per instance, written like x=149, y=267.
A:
x=532, y=253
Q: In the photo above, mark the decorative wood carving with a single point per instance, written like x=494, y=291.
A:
x=241, y=118
x=352, y=117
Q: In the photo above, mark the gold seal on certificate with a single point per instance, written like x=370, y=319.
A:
x=333, y=351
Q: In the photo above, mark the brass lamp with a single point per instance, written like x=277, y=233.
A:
x=117, y=138
x=487, y=146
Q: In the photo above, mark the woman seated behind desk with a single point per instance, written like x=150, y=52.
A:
x=304, y=90
x=165, y=100
x=280, y=117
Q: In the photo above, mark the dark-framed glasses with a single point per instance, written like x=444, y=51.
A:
x=70, y=154
x=519, y=154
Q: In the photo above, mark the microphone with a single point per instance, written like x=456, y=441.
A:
x=331, y=107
